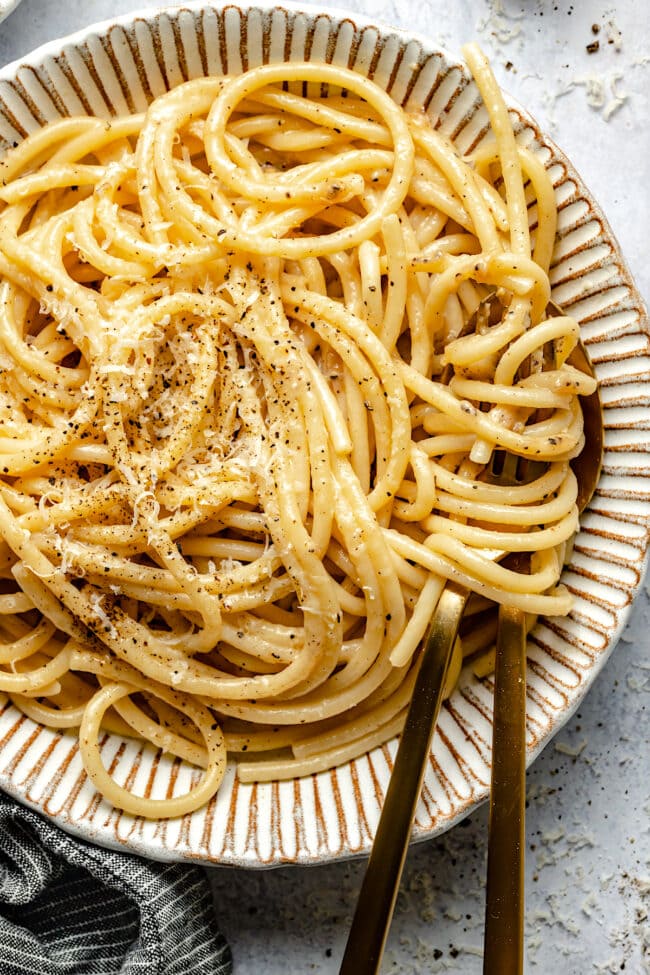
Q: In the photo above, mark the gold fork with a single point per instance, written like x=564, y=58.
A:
x=376, y=901
x=504, y=912
x=379, y=888
x=380, y=884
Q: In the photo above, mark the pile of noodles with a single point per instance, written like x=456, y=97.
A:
x=251, y=399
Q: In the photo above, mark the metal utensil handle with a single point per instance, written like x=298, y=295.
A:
x=504, y=916
x=378, y=893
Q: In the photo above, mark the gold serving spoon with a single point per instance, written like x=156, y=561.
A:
x=504, y=910
x=379, y=888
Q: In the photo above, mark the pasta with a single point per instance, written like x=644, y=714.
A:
x=252, y=393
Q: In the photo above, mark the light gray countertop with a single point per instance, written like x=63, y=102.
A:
x=588, y=864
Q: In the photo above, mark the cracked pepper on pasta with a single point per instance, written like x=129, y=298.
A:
x=250, y=397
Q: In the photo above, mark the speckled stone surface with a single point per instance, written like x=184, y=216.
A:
x=583, y=69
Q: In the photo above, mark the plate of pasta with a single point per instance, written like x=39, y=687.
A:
x=275, y=288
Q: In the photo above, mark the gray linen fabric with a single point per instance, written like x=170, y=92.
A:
x=70, y=908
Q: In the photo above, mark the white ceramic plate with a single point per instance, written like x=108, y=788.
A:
x=118, y=67
x=6, y=6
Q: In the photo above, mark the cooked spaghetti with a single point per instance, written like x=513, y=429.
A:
x=251, y=398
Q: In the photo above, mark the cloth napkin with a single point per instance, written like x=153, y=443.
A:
x=70, y=908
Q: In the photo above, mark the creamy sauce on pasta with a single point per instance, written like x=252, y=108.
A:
x=250, y=396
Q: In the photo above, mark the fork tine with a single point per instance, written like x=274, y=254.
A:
x=510, y=471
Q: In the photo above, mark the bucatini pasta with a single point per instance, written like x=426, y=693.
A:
x=250, y=399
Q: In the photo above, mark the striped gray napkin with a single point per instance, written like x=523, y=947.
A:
x=70, y=908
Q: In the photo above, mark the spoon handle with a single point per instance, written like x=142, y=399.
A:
x=378, y=893
x=504, y=911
